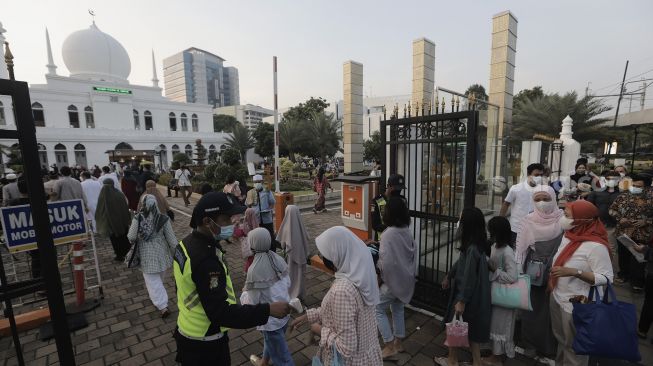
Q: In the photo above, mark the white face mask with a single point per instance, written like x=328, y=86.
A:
x=537, y=180
x=566, y=223
x=612, y=183
x=636, y=190
x=546, y=207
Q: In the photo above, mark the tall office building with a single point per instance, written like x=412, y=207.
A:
x=198, y=76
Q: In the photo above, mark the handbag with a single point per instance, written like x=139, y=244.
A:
x=537, y=271
x=133, y=257
x=606, y=328
x=515, y=295
x=457, y=331
x=335, y=361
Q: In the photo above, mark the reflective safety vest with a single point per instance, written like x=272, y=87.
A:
x=192, y=320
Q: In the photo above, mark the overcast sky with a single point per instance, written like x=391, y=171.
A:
x=562, y=45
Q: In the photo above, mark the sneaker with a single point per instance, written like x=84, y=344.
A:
x=388, y=351
x=398, y=346
x=255, y=360
x=637, y=289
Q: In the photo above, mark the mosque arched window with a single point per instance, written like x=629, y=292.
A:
x=38, y=114
x=173, y=121
x=90, y=119
x=189, y=151
x=73, y=116
x=184, y=122
x=148, y=120
x=2, y=115
x=137, y=121
x=195, y=122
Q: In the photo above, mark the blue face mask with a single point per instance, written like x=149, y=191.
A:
x=225, y=231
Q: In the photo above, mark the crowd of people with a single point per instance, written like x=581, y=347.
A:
x=563, y=250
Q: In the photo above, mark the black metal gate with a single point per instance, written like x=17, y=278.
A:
x=438, y=156
x=25, y=133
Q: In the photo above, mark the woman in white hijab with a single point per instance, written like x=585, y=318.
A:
x=267, y=281
x=294, y=240
x=346, y=320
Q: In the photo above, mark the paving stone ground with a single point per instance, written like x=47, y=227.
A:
x=126, y=329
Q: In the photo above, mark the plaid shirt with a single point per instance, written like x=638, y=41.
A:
x=156, y=253
x=349, y=324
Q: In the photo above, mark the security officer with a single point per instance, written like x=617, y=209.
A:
x=396, y=184
x=205, y=293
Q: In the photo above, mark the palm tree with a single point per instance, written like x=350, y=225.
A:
x=544, y=115
x=324, y=132
x=241, y=140
x=291, y=136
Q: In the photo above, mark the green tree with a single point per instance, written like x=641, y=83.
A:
x=322, y=139
x=241, y=140
x=479, y=93
x=544, y=115
x=291, y=136
x=224, y=123
x=180, y=159
x=264, y=136
x=231, y=156
x=372, y=147
x=304, y=111
x=528, y=94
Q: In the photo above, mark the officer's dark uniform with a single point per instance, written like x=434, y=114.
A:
x=207, y=303
x=380, y=201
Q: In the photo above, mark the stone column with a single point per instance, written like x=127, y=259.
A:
x=423, y=71
x=353, y=116
x=502, y=76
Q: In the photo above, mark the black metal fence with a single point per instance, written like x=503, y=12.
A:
x=50, y=281
x=438, y=154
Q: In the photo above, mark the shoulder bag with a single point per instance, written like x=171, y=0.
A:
x=606, y=328
x=133, y=257
x=515, y=295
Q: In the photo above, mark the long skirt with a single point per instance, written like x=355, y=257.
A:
x=536, y=325
x=319, y=203
x=297, y=273
x=502, y=330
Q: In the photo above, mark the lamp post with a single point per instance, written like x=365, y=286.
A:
x=159, y=151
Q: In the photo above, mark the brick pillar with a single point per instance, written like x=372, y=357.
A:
x=502, y=76
x=353, y=116
x=423, y=72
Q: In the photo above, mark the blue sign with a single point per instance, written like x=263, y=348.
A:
x=67, y=222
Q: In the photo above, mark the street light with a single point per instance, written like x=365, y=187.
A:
x=158, y=151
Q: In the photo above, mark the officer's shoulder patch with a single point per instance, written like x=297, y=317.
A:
x=180, y=258
x=214, y=280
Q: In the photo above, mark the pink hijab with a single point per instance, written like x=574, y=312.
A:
x=540, y=225
x=251, y=221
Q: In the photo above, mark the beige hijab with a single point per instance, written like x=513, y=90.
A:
x=293, y=236
x=161, y=203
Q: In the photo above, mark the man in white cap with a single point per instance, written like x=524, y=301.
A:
x=10, y=190
x=262, y=200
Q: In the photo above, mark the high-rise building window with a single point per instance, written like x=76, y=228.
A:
x=184, y=122
x=173, y=121
x=137, y=121
x=2, y=115
x=39, y=116
x=90, y=119
x=148, y=120
x=73, y=116
x=195, y=122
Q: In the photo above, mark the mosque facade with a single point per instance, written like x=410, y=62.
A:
x=95, y=116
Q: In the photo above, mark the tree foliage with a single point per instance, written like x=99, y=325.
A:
x=304, y=111
x=528, y=94
x=264, y=136
x=180, y=159
x=544, y=115
x=372, y=147
x=323, y=139
x=241, y=140
x=479, y=93
x=224, y=123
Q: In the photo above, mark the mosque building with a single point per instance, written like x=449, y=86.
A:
x=95, y=116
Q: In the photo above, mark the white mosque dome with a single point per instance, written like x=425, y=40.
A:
x=92, y=54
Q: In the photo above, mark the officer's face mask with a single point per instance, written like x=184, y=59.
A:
x=224, y=232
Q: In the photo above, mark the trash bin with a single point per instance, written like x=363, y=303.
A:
x=283, y=199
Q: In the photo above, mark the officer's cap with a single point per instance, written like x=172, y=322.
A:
x=214, y=203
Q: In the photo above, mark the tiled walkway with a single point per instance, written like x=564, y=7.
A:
x=127, y=330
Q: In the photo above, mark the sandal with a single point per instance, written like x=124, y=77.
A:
x=442, y=361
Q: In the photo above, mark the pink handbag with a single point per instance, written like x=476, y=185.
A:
x=457, y=333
